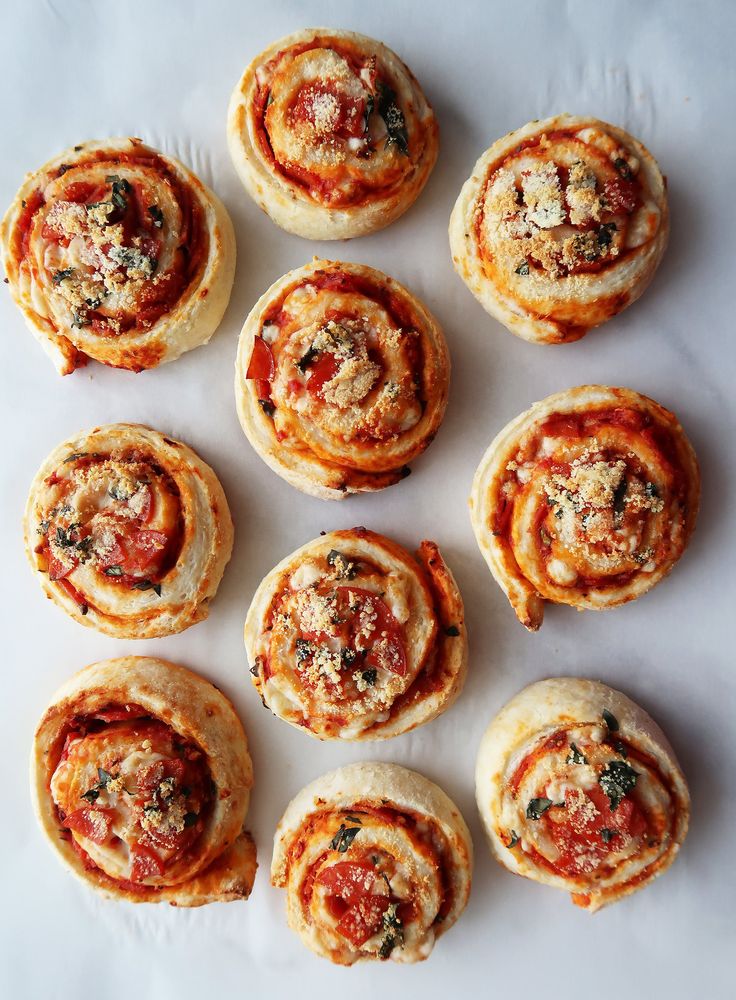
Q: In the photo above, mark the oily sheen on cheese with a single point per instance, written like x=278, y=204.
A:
x=561, y=226
x=141, y=779
x=116, y=252
x=376, y=862
x=351, y=638
x=589, y=498
x=578, y=788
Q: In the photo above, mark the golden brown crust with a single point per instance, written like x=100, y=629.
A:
x=407, y=832
x=358, y=378
x=96, y=278
x=589, y=498
x=527, y=751
x=221, y=863
x=102, y=504
x=351, y=589
x=307, y=132
x=561, y=226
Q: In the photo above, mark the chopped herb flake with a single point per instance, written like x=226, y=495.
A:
x=537, y=808
x=344, y=838
x=617, y=779
x=610, y=720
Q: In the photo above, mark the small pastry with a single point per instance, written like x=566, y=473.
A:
x=141, y=778
x=587, y=499
x=128, y=531
x=376, y=862
x=341, y=379
x=331, y=134
x=561, y=226
x=351, y=638
x=579, y=789
x=116, y=252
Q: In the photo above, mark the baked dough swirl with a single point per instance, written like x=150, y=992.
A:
x=141, y=779
x=116, y=252
x=351, y=638
x=341, y=378
x=587, y=499
x=331, y=134
x=578, y=788
x=128, y=531
x=376, y=862
x=561, y=226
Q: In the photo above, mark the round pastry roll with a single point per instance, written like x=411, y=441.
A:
x=128, y=531
x=376, y=862
x=587, y=499
x=561, y=226
x=579, y=789
x=116, y=252
x=331, y=134
x=351, y=638
x=341, y=378
x=141, y=779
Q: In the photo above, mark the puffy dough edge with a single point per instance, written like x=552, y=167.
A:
x=276, y=197
x=190, y=324
x=633, y=280
x=404, y=789
x=309, y=475
x=197, y=709
x=546, y=704
x=425, y=710
x=220, y=550
x=526, y=602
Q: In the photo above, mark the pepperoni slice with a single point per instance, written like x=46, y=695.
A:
x=329, y=110
x=363, y=920
x=321, y=371
x=580, y=831
x=92, y=824
x=262, y=365
x=348, y=880
x=145, y=864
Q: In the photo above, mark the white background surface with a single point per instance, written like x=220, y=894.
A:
x=164, y=71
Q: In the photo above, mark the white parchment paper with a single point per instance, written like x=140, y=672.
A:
x=77, y=70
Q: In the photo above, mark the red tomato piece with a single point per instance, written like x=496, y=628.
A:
x=363, y=920
x=58, y=570
x=321, y=371
x=348, y=880
x=387, y=651
x=146, y=863
x=93, y=824
x=620, y=195
x=331, y=111
x=122, y=714
x=261, y=365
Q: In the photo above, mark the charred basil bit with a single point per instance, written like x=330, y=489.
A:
x=43, y=527
x=537, y=807
x=344, y=838
x=346, y=570
x=621, y=748
x=190, y=819
x=347, y=657
x=156, y=215
x=254, y=670
x=452, y=631
x=605, y=234
x=619, y=496
x=576, y=756
x=651, y=490
x=607, y=835
x=610, y=720
x=147, y=585
x=306, y=359
x=545, y=536
x=113, y=571
x=120, y=187
x=78, y=320
x=186, y=791
x=63, y=169
x=394, y=928
x=623, y=168
x=617, y=779
x=354, y=819
x=116, y=493
x=59, y=276
x=83, y=609
x=104, y=777
x=369, y=105
x=92, y=795
x=267, y=406
x=387, y=946
x=269, y=98
x=303, y=649
x=513, y=839
x=370, y=676
x=389, y=110
x=523, y=268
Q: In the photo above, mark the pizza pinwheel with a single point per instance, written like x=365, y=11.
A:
x=116, y=252
x=376, y=862
x=578, y=788
x=128, y=531
x=587, y=499
x=141, y=779
x=351, y=638
x=341, y=379
x=331, y=134
x=560, y=227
